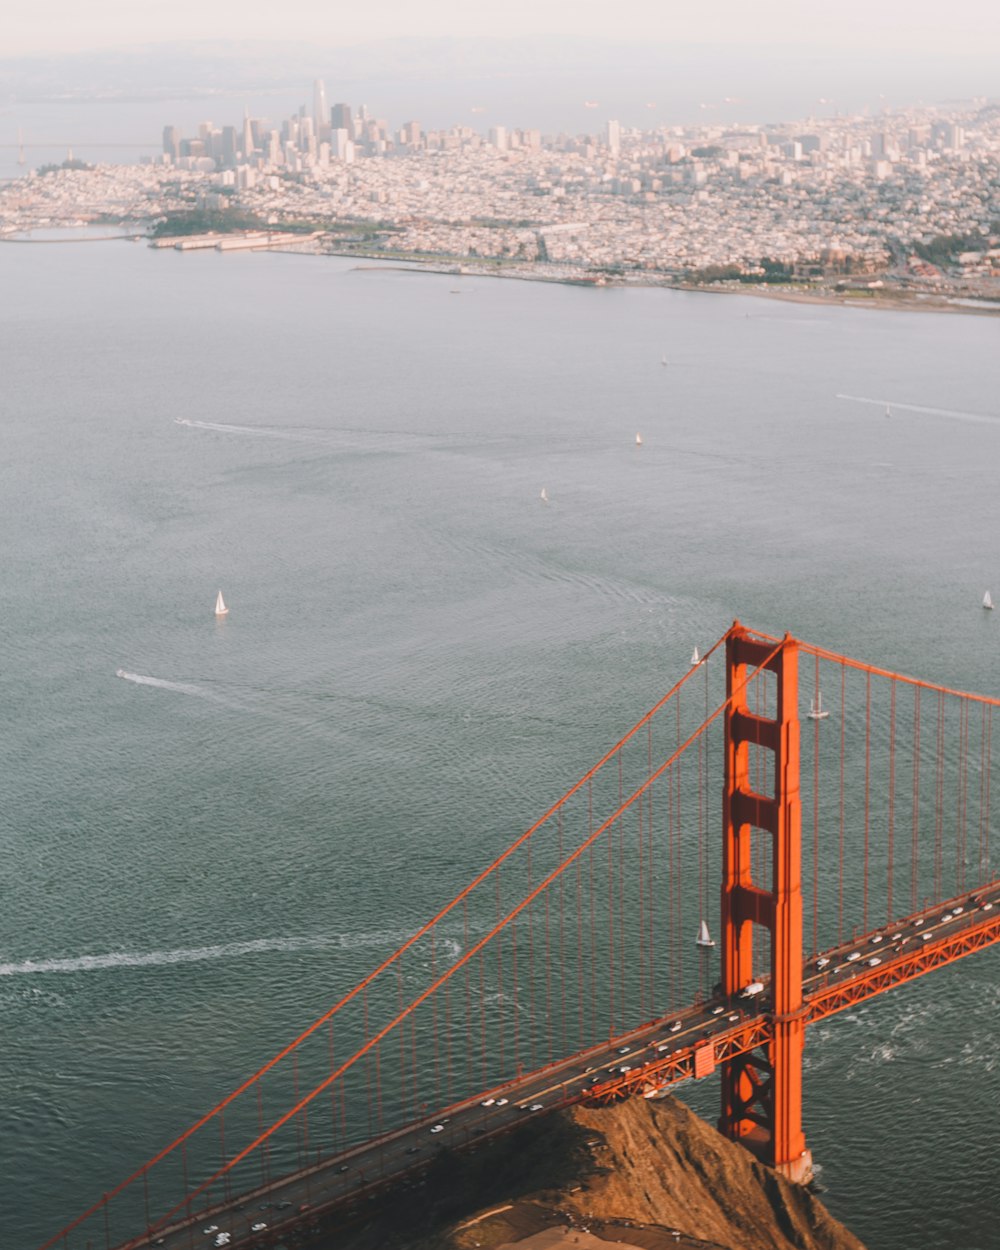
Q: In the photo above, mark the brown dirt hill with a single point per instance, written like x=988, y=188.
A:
x=663, y=1165
x=645, y=1174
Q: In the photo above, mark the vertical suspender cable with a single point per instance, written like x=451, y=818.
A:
x=561, y=964
x=868, y=774
x=815, y=807
x=641, y=892
x=915, y=849
x=500, y=1003
x=581, y=971
x=652, y=873
x=532, y=1018
x=939, y=799
x=843, y=726
x=892, y=792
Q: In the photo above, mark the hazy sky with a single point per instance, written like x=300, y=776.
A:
x=898, y=26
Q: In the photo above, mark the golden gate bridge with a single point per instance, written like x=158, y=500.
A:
x=836, y=855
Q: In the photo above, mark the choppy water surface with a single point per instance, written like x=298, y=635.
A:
x=209, y=829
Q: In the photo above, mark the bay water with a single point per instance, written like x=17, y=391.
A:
x=209, y=829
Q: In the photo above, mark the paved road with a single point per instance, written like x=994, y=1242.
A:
x=257, y=1217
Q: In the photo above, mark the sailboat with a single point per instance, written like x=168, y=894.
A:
x=220, y=605
x=638, y=440
x=695, y=658
x=544, y=496
x=887, y=410
x=663, y=361
x=704, y=938
x=988, y=601
x=816, y=711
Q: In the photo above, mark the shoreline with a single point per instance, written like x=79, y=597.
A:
x=884, y=300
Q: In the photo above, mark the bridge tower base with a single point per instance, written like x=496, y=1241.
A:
x=762, y=1090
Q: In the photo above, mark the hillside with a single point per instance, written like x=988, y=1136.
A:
x=645, y=1174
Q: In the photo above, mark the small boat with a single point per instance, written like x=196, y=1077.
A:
x=816, y=711
x=704, y=938
x=696, y=658
x=638, y=440
x=220, y=605
x=887, y=410
x=544, y=496
x=988, y=601
x=663, y=361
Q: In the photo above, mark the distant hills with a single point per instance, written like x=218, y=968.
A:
x=528, y=81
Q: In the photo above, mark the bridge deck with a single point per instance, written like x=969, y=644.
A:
x=646, y=1061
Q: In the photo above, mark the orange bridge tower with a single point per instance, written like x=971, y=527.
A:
x=762, y=1089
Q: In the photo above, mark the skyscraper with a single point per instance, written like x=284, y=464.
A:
x=171, y=142
x=249, y=142
x=340, y=119
x=614, y=137
x=321, y=118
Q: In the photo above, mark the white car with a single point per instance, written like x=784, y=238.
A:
x=212, y=1228
x=438, y=1128
x=852, y=956
x=623, y=1050
x=734, y=1017
x=675, y=1027
x=502, y=1102
x=873, y=962
x=986, y=907
x=822, y=962
x=957, y=911
x=535, y=1106
x=487, y=1102
x=258, y=1227
x=876, y=939
x=717, y=1011
x=222, y=1239
x=625, y=1068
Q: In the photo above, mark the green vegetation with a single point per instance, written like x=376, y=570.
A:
x=206, y=221
x=943, y=248
x=231, y=220
x=716, y=273
x=69, y=163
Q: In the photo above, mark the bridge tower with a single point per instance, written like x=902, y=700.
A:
x=762, y=1090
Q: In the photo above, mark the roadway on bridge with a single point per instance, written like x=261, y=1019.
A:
x=255, y=1218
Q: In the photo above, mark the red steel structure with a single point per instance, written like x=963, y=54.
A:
x=852, y=857
x=762, y=1094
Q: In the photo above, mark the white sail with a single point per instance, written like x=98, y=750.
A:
x=988, y=601
x=816, y=711
x=695, y=658
x=704, y=938
x=220, y=605
x=638, y=440
x=544, y=496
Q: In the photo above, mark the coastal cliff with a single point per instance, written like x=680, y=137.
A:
x=645, y=1174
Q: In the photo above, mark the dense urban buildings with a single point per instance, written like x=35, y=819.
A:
x=910, y=196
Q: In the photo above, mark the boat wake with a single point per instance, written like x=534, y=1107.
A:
x=255, y=431
x=891, y=406
x=197, y=954
x=178, y=687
